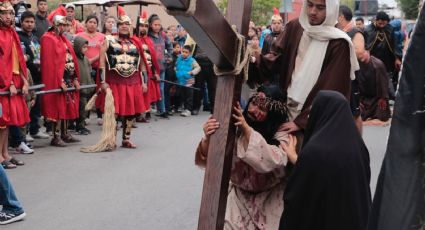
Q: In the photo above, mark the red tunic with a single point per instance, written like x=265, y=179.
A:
x=15, y=110
x=127, y=91
x=57, y=106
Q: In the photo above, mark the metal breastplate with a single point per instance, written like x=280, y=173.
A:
x=69, y=68
x=123, y=57
x=148, y=56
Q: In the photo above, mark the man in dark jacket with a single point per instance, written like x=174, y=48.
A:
x=32, y=56
x=380, y=41
x=41, y=22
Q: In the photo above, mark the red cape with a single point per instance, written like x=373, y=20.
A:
x=57, y=106
x=7, y=35
x=146, y=40
x=15, y=110
x=154, y=93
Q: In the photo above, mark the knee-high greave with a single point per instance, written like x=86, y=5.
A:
x=127, y=124
x=56, y=128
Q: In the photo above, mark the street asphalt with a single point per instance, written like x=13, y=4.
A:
x=154, y=187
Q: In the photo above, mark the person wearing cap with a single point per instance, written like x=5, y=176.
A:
x=41, y=22
x=381, y=42
x=76, y=27
x=13, y=77
x=121, y=67
x=181, y=35
x=19, y=7
x=59, y=70
x=152, y=71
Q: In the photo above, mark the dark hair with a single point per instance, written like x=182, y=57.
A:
x=136, y=29
x=38, y=1
x=346, y=12
x=27, y=14
x=175, y=44
x=151, y=19
x=91, y=17
x=381, y=15
x=187, y=47
x=106, y=18
x=274, y=118
x=360, y=19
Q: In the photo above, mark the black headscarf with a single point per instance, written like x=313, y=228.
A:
x=275, y=116
x=329, y=186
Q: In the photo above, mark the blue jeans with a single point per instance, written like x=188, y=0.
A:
x=7, y=195
x=161, y=104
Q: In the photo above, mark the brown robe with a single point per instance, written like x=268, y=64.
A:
x=373, y=85
x=335, y=73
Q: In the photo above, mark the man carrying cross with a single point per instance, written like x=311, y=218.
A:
x=311, y=55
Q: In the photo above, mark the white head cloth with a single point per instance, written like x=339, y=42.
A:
x=304, y=79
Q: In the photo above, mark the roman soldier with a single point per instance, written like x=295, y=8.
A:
x=13, y=77
x=276, y=27
x=59, y=69
x=121, y=69
x=152, y=71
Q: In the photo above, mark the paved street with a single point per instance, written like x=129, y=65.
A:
x=154, y=187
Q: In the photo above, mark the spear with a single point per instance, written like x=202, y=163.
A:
x=60, y=90
x=176, y=84
x=31, y=88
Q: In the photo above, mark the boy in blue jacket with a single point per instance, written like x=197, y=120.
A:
x=186, y=69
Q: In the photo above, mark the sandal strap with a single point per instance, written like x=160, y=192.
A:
x=7, y=164
x=128, y=144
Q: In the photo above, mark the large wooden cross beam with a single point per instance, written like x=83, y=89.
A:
x=214, y=34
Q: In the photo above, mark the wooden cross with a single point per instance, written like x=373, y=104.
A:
x=214, y=34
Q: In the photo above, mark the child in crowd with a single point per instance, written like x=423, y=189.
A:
x=186, y=69
x=80, y=47
x=171, y=76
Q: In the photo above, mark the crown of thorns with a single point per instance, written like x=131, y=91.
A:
x=269, y=103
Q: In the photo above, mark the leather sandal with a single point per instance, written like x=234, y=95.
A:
x=58, y=142
x=142, y=120
x=70, y=139
x=8, y=165
x=128, y=144
x=16, y=161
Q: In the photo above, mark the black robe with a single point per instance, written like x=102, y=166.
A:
x=329, y=185
x=399, y=202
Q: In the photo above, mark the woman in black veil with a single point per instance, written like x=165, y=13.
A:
x=329, y=185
